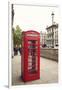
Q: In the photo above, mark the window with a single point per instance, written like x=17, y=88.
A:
x=32, y=56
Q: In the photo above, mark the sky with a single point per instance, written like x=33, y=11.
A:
x=34, y=17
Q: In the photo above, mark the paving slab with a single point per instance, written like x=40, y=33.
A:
x=48, y=72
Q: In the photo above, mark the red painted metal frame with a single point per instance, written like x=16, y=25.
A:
x=26, y=76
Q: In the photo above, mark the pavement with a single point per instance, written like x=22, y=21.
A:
x=48, y=72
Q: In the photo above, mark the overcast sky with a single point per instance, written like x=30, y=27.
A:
x=34, y=17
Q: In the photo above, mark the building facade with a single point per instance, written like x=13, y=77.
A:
x=52, y=36
x=42, y=38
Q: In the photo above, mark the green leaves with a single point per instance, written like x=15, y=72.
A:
x=17, y=35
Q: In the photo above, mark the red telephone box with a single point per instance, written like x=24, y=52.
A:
x=30, y=58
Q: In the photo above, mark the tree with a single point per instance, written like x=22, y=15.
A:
x=17, y=35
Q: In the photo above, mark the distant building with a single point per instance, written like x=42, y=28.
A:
x=42, y=38
x=52, y=36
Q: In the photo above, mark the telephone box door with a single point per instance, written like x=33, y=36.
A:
x=33, y=59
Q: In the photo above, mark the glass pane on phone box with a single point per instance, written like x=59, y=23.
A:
x=32, y=42
x=32, y=47
x=29, y=68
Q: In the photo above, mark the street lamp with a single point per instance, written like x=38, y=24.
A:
x=12, y=14
x=12, y=30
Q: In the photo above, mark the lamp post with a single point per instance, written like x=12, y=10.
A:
x=12, y=14
x=12, y=30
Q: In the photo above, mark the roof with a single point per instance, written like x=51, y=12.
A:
x=30, y=32
x=54, y=25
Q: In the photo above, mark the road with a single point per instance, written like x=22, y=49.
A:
x=48, y=71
